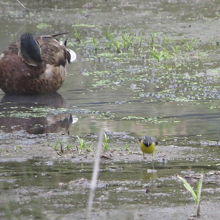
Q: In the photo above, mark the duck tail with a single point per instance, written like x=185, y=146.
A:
x=30, y=49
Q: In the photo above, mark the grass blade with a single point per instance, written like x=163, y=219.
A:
x=199, y=189
x=188, y=187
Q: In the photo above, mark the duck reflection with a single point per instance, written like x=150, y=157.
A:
x=35, y=114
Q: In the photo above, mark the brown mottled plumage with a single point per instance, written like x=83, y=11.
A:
x=34, y=65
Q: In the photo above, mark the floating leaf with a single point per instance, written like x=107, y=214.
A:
x=43, y=26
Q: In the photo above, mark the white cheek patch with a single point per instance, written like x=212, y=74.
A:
x=1, y=56
x=72, y=55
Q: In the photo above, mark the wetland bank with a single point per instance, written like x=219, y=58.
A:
x=143, y=68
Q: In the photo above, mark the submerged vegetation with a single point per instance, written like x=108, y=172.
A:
x=156, y=45
x=153, y=66
x=85, y=146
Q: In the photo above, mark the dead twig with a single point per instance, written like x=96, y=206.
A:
x=20, y=3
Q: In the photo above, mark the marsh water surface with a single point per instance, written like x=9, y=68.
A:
x=143, y=68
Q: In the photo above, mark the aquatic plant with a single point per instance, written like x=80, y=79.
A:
x=62, y=147
x=109, y=34
x=83, y=145
x=161, y=61
x=160, y=54
x=127, y=147
x=42, y=26
x=158, y=49
x=58, y=147
x=118, y=42
x=95, y=43
x=132, y=117
x=196, y=194
x=69, y=146
x=128, y=40
x=77, y=35
x=106, y=145
x=117, y=45
x=84, y=25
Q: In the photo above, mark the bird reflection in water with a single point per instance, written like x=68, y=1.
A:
x=35, y=114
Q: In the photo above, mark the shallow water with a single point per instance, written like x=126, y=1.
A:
x=50, y=190
x=165, y=85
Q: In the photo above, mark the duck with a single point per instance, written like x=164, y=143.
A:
x=34, y=64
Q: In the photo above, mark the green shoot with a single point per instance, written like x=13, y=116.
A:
x=82, y=143
x=118, y=46
x=127, y=148
x=196, y=194
x=109, y=35
x=83, y=146
x=95, y=43
x=56, y=146
x=69, y=147
x=106, y=145
x=127, y=40
x=77, y=35
x=160, y=54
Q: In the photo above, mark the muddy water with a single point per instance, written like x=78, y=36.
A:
x=166, y=84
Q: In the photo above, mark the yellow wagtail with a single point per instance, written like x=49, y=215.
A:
x=148, y=145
